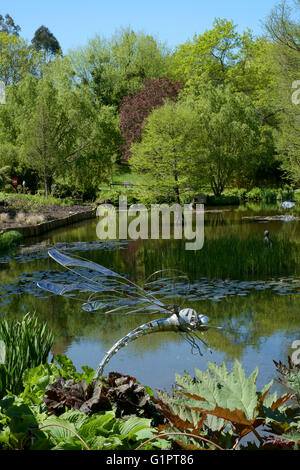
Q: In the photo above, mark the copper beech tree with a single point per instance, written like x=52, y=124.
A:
x=136, y=108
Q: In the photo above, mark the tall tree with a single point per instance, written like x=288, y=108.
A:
x=136, y=108
x=169, y=150
x=16, y=58
x=284, y=30
x=231, y=135
x=223, y=56
x=44, y=41
x=60, y=129
x=7, y=25
x=211, y=55
x=114, y=68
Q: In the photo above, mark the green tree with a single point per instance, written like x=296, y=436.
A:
x=61, y=129
x=230, y=133
x=7, y=25
x=284, y=30
x=222, y=56
x=45, y=42
x=94, y=165
x=169, y=150
x=114, y=68
x=16, y=58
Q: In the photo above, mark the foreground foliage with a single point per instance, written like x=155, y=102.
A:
x=50, y=405
x=225, y=407
x=56, y=411
x=27, y=344
x=61, y=409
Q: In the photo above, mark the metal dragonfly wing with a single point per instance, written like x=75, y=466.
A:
x=101, y=289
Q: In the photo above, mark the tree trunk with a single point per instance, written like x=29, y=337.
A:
x=46, y=184
x=176, y=186
x=177, y=195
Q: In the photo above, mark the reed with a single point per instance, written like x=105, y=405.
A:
x=4, y=218
x=20, y=218
x=35, y=219
x=229, y=257
x=27, y=344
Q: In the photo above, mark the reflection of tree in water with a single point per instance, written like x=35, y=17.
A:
x=242, y=330
x=215, y=219
x=249, y=321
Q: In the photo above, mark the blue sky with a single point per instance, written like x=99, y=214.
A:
x=73, y=22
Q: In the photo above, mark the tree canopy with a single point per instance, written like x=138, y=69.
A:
x=219, y=111
x=135, y=108
x=45, y=41
x=7, y=25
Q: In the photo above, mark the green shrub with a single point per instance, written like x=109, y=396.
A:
x=112, y=195
x=269, y=196
x=8, y=188
x=138, y=195
x=223, y=201
x=286, y=194
x=10, y=239
x=241, y=193
x=254, y=195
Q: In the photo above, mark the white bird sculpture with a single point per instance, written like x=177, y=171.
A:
x=287, y=205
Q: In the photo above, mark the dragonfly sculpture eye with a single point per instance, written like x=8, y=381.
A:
x=100, y=289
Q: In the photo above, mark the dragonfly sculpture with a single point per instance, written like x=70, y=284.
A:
x=100, y=289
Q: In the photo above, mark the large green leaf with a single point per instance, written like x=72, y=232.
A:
x=133, y=425
x=229, y=390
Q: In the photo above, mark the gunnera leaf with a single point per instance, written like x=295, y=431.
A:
x=290, y=377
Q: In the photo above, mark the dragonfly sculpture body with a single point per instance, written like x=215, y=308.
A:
x=100, y=289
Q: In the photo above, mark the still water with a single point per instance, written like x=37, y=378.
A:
x=250, y=291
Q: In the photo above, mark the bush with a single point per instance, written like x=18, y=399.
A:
x=254, y=195
x=223, y=201
x=8, y=188
x=112, y=196
x=269, y=196
x=10, y=239
x=138, y=195
x=241, y=193
x=286, y=194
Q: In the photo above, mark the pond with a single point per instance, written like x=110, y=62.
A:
x=249, y=290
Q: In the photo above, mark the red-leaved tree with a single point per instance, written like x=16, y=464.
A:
x=136, y=108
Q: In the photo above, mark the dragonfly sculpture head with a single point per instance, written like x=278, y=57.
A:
x=190, y=317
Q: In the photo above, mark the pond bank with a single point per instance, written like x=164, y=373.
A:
x=36, y=230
